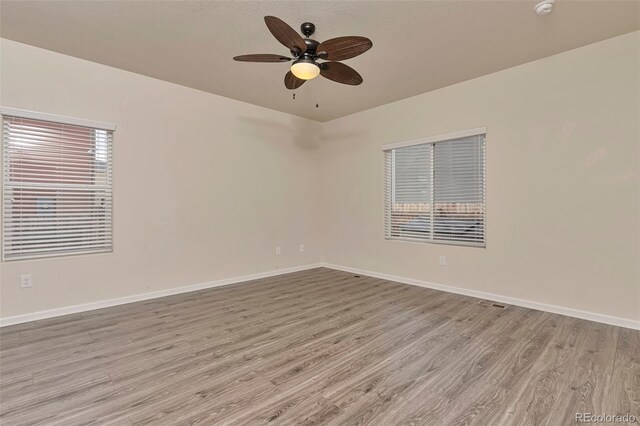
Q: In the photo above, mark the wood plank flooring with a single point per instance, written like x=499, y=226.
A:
x=316, y=347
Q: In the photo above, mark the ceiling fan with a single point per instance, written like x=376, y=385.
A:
x=306, y=52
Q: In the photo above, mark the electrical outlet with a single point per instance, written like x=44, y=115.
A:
x=301, y=248
x=442, y=260
x=278, y=251
x=26, y=281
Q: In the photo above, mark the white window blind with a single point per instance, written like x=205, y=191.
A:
x=57, y=189
x=435, y=191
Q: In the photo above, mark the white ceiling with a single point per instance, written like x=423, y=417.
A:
x=418, y=46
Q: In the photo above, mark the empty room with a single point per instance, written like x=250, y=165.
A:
x=320, y=212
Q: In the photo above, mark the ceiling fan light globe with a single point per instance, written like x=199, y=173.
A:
x=305, y=69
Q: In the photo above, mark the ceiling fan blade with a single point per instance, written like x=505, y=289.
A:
x=285, y=34
x=260, y=57
x=341, y=48
x=340, y=73
x=292, y=82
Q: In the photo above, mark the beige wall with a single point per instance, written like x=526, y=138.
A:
x=205, y=187
x=562, y=181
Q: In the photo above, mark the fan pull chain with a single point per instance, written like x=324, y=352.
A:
x=294, y=96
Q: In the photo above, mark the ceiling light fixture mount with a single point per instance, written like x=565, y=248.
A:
x=544, y=7
x=307, y=28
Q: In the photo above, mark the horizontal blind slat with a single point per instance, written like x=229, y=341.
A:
x=56, y=250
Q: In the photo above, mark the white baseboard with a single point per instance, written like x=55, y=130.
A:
x=591, y=316
x=50, y=313
x=577, y=313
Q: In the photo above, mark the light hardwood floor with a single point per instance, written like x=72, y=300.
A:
x=316, y=347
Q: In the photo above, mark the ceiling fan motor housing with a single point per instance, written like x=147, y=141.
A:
x=310, y=53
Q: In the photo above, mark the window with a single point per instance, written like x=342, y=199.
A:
x=435, y=189
x=57, y=188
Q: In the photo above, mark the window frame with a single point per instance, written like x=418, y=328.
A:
x=432, y=140
x=56, y=119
